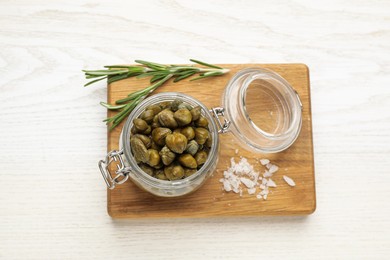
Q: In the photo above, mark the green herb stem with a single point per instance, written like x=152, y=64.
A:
x=159, y=74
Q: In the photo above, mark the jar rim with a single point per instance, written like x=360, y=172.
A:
x=248, y=133
x=126, y=133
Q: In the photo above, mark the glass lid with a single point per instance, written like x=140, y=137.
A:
x=264, y=111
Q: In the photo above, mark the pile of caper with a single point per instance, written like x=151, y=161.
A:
x=170, y=140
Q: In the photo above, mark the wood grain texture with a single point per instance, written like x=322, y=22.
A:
x=52, y=197
x=128, y=201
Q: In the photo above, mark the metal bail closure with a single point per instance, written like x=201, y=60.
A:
x=223, y=126
x=121, y=174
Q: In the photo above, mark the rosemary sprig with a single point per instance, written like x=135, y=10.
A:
x=158, y=73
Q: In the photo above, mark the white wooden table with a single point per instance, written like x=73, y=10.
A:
x=52, y=197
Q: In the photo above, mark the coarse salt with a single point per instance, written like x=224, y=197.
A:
x=264, y=161
x=242, y=176
x=289, y=180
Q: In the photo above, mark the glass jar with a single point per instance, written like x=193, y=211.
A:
x=249, y=97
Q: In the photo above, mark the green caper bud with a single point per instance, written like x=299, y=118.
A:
x=165, y=104
x=166, y=119
x=139, y=150
x=192, y=147
x=167, y=156
x=147, y=169
x=159, y=134
x=188, y=132
x=147, y=115
x=133, y=130
x=175, y=104
x=145, y=139
x=187, y=161
x=159, y=165
x=201, y=135
x=154, y=157
x=209, y=141
x=176, y=142
x=161, y=175
x=155, y=108
x=148, y=130
x=155, y=146
x=184, y=105
x=202, y=122
x=174, y=172
x=188, y=172
x=177, y=130
x=200, y=157
x=183, y=116
x=155, y=122
x=196, y=112
x=140, y=125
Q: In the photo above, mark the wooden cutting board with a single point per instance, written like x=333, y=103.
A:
x=128, y=201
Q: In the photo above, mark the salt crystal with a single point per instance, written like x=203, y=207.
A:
x=273, y=168
x=267, y=174
x=251, y=191
x=226, y=186
x=271, y=183
x=265, y=196
x=289, y=180
x=248, y=183
x=236, y=151
x=264, y=161
x=259, y=196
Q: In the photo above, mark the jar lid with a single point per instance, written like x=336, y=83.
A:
x=264, y=111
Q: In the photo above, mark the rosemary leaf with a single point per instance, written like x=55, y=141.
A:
x=206, y=64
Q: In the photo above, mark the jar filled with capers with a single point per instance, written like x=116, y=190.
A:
x=171, y=140
x=169, y=145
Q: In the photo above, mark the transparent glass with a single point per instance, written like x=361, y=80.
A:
x=264, y=110
x=164, y=188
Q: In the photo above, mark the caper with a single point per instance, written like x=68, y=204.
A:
x=161, y=175
x=166, y=119
x=201, y=135
x=167, y=156
x=174, y=172
x=176, y=142
x=175, y=104
x=192, y=147
x=133, y=130
x=140, y=125
x=187, y=161
x=200, y=157
x=147, y=115
x=177, y=130
x=155, y=122
x=188, y=172
x=165, y=104
x=188, y=132
x=145, y=139
x=159, y=165
x=154, y=157
x=159, y=134
x=196, y=112
x=184, y=105
x=155, y=108
x=148, y=130
x=147, y=169
x=209, y=141
x=183, y=116
x=139, y=150
x=155, y=146
x=202, y=122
